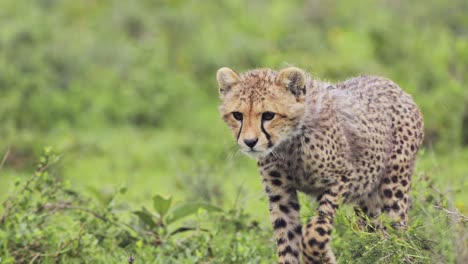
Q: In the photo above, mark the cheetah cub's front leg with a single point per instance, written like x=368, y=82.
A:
x=317, y=233
x=284, y=214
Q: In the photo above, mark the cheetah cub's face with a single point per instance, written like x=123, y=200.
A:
x=262, y=107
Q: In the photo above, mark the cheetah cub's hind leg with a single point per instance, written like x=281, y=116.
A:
x=396, y=183
x=367, y=211
x=395, y=187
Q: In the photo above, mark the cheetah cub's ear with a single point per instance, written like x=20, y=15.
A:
x=226, y=79
x=294, y=80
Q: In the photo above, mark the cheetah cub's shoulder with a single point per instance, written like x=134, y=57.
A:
x=353, y=142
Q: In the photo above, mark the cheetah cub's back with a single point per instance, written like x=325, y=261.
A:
x=353, y=142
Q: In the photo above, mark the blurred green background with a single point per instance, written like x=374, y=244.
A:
x=126, y=90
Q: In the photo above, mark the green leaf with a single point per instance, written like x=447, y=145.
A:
x=103, y=197
x=187, y=209
x=145, y=217
x=161, y=205
x=123, y=190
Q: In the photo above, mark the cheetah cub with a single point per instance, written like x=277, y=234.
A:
x=353, y=142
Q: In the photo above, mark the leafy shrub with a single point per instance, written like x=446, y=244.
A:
x=46, y=221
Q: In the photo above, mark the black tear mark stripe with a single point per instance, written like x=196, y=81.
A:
x=240, y=130
x=270, y=144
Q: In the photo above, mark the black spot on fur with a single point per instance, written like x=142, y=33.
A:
x=275, y=198
x=322, y=245
x=291, y=235
x=322, y=220
x=279, y=223
x=275, y=174
x=388, y=193
x=399, y=194
x=312, y=242
x=320, y=231
x=298, y=229
x=365, y=209
x=331, y=193
x=280, y=241
x=294, y=206
x=319, y=197
x=309, y=258
x=276, y=182
x=288, y=250
x=284, y=208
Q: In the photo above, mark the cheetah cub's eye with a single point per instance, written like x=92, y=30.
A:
x=268, y=116
x=237, y=115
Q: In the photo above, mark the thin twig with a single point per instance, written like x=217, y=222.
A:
x=457, y=214
x=67, y=205
x=5, y=157
x=36, y=255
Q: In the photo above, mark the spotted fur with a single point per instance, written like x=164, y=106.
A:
x=350, y=142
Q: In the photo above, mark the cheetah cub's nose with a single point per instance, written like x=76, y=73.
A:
x=251, y=142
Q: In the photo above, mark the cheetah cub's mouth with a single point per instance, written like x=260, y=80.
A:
x=262, y=107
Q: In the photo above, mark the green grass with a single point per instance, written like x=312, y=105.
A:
x=98, y=163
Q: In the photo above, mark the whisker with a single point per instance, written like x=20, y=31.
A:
x=274, y=154
x=277, y=155
x=281, y=156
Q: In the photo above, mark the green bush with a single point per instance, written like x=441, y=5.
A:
x=45, y=221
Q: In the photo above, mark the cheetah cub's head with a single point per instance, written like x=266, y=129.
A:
x=262, y=107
